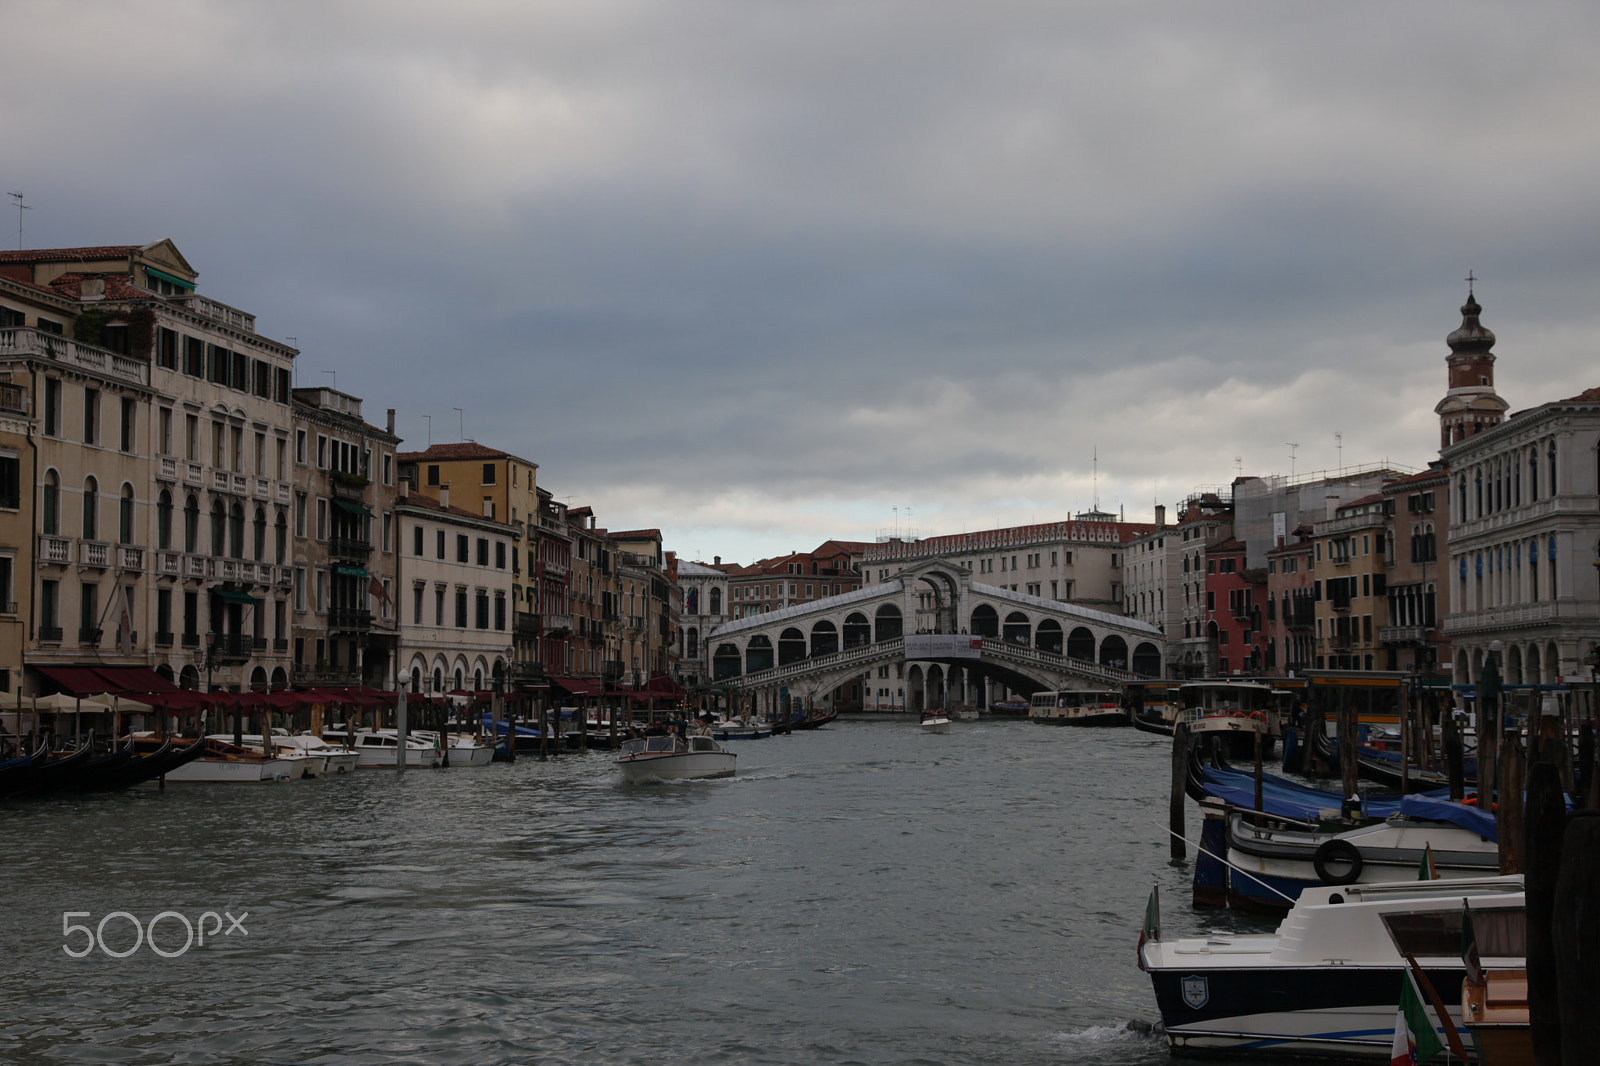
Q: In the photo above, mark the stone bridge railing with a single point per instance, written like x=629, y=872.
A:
x=993, y=649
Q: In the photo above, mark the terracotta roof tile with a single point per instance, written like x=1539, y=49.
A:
x=464, y=450
x=49, y=255
x=1587, y=396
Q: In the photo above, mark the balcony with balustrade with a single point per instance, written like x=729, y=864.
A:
x=350, y=619
x=230, y=647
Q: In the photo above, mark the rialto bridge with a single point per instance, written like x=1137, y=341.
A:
x=930, y=636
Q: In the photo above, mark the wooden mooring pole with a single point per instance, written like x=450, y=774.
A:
x=1181, y=744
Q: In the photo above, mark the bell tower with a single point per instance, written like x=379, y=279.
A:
x=1471, y=405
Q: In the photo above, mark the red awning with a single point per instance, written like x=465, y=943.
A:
x=76, y=680
x=136, y=678
x=97, y=679
x=580, y=686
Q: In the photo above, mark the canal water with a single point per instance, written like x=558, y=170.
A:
x=859, y=894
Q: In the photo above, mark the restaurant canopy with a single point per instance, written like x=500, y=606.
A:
x=96, y=679
x=580, y=686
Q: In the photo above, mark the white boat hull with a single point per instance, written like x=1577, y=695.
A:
x=936, y=725
x=675, y=759
x=471, y=755
x=230, y=771
x=681, y=767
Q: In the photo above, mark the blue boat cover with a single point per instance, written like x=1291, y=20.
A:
x=1439, y=809
x=1285, y=798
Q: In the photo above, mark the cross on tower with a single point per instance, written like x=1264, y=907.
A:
x=1470, y=280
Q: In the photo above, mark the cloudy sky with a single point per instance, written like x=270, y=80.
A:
x=762, y=273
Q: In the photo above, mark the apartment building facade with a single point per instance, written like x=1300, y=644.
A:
x=456, y=593
x=345, y=620
x=161, y=470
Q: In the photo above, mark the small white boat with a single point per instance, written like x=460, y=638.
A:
x=338, y=759
x=464, y=748
x=380, y=748
x=674, y=758
x=1327, y=982
x=301, y=763
x=225, y=763
x=935, y=722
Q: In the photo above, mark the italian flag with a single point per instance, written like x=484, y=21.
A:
x=1415, y=1042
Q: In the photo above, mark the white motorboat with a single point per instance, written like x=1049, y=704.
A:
x=301, y=763
x=380, y=748
x=464, y=748
x=674, y=758
x=740, y=729
x=338, y=759
x=1328, y=981
x=935, y=722
x=224, y=762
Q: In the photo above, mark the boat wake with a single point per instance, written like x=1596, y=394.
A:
x=1134, y=1032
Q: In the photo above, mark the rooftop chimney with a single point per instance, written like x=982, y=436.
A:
x=444, y=494
x=716, y=560
x=1161, y=515
x=391, y=421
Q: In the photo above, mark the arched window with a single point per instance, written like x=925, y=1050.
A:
x=1533, y=474
x=693, y=648
x=164, y=520
x=281, y=530
x=219, y=527
x=191, y=524
x=716, y=600
x=50, y=521
x=125, y=515
x=1551, y=455
x=236, y=531
x=91, y=509
x=260, y=553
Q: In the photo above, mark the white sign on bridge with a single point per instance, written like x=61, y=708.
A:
x=943, y=646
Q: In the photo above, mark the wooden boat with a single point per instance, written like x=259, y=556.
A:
x=1087, y=707
x=1327, y=982
x=814, y=720
x=226, y=763
x=1496, y=1014
x=463, y=748
x=166, y=756
x=674, y=758
x=48, y=771
x=1012, y=708
x=935, y=722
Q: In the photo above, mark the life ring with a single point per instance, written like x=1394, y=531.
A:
x=1337, y=851
x=1259, y=716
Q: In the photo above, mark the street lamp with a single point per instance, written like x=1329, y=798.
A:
x=404, y=679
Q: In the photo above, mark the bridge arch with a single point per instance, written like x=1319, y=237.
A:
x=791, y=646
x=985, y=621
x=889, y=623
x=857, y=630
x=1080, y=644
x=1018, y=629
x=727, y=662
x=758, y=654
x=824, y=638
x=1048, y=635
x=1114, y=652
x=1147, y=659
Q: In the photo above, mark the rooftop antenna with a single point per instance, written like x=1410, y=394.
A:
x=1338, y=444
x=334, y=374
x=1095, y=483
x=1238, y=465
x=429, y=419
x=1293, y=444
x=21, y=207
x=461, y=420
